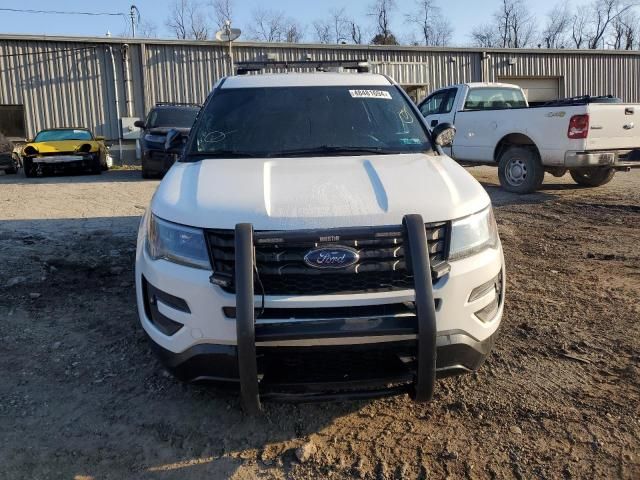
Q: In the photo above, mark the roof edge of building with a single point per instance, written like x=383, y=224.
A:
x=305, y=46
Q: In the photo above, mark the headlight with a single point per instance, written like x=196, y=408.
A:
x=176, y=243
x=473, y=234
x=154, y=138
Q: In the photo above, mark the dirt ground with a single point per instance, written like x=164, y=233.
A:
x=82, y=397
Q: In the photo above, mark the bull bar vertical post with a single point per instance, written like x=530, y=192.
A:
x=245, y=319
x=420, y=265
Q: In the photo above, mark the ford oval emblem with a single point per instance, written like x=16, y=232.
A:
x=332, y=256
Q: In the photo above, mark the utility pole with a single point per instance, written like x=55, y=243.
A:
x=228, y=34
x=227, y=29
x=134, y=13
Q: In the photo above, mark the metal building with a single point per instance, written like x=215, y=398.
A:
x=103, y=83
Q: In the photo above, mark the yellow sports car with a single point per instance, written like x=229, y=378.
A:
x=59, y=148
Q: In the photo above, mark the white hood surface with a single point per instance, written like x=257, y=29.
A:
x=319, y=192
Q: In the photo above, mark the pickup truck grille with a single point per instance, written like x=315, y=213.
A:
x=282, y=270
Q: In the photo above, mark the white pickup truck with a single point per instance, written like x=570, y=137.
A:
x=587, y=136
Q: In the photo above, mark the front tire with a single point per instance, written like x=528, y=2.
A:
x=146, y=172
x=592, y=177
x=29, y=171
x=520, y=170
x=96, y=166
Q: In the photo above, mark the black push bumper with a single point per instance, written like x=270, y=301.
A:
x=318, y=359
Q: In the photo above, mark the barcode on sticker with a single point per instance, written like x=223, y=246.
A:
x=370, y=94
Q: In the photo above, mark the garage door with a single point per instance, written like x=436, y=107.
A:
x=537, y=90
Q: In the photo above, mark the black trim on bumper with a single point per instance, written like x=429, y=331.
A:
x=219, y=364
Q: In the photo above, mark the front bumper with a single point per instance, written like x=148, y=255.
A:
x=322, y=372
x=158, y=160
x=6, y=161
x=67, y=159
x=203, y=344
x=618, y=159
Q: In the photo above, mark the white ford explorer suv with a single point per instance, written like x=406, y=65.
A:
x=314, y=242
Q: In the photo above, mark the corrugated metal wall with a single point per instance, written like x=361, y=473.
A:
x=579, y=74
x=69, y=81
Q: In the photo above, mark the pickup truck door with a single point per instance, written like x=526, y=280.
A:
x=438, y=108
x=477, y=121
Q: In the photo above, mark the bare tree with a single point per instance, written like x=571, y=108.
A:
x=322, y=31
x=222, y=11
x=485, y=36
x=382, y=11
x=293, y=31
x=274, y=26
x=355, y=32
x=513, y=27
x=578, y=28
x=623, y=31
x=558, y=23
x=333, y=30
x=435, y=29
x=603, y=12
x=187, y=20
x=515, y=24
x=147, y=29
x=267, y=26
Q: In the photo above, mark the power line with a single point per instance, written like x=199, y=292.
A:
x=59, y=12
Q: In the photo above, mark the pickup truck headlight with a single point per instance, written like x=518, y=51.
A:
x=176, y=243
x=472, y=234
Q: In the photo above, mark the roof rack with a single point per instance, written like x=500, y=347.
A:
x=359, y=65
x=177, y=104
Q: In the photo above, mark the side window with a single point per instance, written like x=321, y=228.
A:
x=494, y=99
x=151, y=118
x=433, y=103
x=12, y=121
x=450, y=99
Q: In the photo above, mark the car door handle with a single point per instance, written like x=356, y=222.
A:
x=434, y=123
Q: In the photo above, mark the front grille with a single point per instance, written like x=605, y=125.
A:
x=282, y=270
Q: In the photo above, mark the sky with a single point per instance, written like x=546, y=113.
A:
x=463, y=14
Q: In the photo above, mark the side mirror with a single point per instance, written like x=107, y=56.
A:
x=443, y=134
x=173, y=140
x=100, y=138
x=139, y=124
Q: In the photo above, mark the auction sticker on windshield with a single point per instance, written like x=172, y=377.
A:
x=370, y=94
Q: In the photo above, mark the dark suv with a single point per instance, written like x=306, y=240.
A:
x=161, y=119
x=8, y=160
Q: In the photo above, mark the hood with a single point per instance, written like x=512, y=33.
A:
x=322, y=192
x=61, y=146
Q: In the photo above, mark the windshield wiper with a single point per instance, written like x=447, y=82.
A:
x=326, y=149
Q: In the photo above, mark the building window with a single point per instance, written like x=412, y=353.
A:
x=12, y=121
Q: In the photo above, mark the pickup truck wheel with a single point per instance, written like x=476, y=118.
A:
x=592, y=177
x=520, y=170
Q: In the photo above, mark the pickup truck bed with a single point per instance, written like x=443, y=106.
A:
x=495, y=125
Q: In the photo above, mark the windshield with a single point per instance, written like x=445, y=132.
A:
x=61, y=135
x=319, y=120
x=172, y=117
